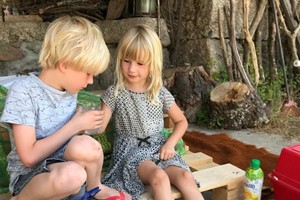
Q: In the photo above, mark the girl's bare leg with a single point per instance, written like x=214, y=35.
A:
x=157, y=179
x=184, y=181
x=88, y=153
x=64, y=179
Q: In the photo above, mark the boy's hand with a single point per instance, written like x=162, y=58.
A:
x=167, y=152
x=87, y=120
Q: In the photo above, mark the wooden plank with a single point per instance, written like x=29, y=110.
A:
x=212, y=178
x=203, y=166
x=168, y=123
x=223, y=193
x=197, y=161
x=5, y=196
x=115, y=9
x=219, y=176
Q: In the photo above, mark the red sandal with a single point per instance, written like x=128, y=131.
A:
x=120, y=197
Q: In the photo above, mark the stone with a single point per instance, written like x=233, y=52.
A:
x=22, y=18
x=9, y=53
x=113, y=30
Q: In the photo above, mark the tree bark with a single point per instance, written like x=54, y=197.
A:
x=290, y=22
x=190, y=86
x=258, y=16
x=235, y=106
x=273, y=74
x=233, y=45
x=259, y=46
x=250, y=42
x=223, y=47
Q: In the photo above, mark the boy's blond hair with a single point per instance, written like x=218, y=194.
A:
x=77, y=42
x=138, y=40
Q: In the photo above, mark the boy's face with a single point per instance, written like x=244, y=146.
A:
x=76, y=80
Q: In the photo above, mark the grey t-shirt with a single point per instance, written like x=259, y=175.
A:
x=33, y=103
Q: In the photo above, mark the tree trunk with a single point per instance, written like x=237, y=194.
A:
x=235, y=106
x=190, y=86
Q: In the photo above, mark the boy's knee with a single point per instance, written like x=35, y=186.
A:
x=71, y=174
x=85, y=147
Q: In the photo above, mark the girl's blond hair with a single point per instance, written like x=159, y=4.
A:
x=137, y=40
x=77, y=42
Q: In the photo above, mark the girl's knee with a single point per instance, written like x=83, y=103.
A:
x=159, y=176
x=185, y=176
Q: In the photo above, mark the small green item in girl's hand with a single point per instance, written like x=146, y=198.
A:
x=179, y=147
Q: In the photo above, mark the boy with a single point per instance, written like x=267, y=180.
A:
x=50, y=158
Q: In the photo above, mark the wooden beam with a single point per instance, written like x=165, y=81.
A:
x=115, y=9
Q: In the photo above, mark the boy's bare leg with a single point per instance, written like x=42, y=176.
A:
x=184, y=181
x=88, y=153
x=65, y=178
x=157, y=179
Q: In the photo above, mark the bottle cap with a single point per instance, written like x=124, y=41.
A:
x=255, y=164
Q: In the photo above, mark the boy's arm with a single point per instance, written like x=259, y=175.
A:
x=33, y=151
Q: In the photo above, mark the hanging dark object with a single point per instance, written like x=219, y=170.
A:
x=142, y=8
x=289, y=107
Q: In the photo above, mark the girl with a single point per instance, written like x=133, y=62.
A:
x=141, y=154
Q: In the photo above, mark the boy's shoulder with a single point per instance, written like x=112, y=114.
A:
x=26, y=82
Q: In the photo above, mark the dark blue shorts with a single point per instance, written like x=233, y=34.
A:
x=42, y=168
x=56, y=157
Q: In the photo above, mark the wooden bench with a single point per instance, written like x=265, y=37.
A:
x=226, y=181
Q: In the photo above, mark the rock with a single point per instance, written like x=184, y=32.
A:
x=9, y=53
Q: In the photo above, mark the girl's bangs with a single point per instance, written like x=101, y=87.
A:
x=135, y=50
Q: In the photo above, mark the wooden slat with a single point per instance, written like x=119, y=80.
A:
x=211, y=178
x=6, y=196
x=197, y=161
x=223, y=193
x=168, y=123
x=218, y=176
x=115, y=9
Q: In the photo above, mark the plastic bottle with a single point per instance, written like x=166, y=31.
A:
x=253, y=181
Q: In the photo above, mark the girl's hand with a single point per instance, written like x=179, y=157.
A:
x=167, y=152
x=86, y=120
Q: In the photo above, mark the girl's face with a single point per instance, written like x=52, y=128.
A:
x=136, y=73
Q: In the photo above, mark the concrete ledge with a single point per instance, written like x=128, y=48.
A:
x=22, y=28
x=22, y=18
x=113, y=30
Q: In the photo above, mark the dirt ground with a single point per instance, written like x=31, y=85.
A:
x=266, y=141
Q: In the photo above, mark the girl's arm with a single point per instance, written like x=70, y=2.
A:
x=33, y=151
x=181, y=124
x=107, y=116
